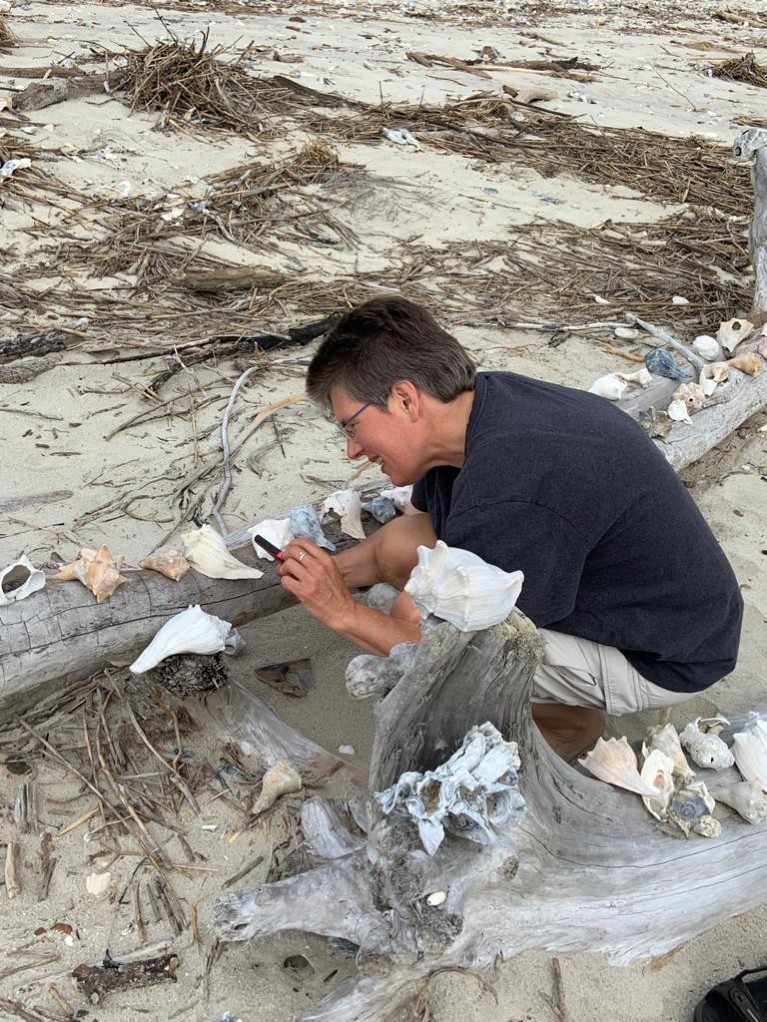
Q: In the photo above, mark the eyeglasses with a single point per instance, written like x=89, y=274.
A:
x=345, y=424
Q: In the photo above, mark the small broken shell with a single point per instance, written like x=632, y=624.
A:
x=691, y=808
x=276, y=530
x=712, y=375
x=611, y=387
x=641, y=378
x=732, y=332
x=746, y=798
x=461, y=588
x=191, y=631
x=171, y=564
x=97, y=570
x=666, y=739
x=658, y=772
x=383, y=509
x=677, y=411
x=615, y=762
x=280, y=779
x=750, y=749
x=706, y=749
x=19, y=580
x=662, y=363
x=401, y=495
x=692, y=394
x=748, y=362
x=207, y=552
x=707, y=347
x=436, y=898
x=348, y=506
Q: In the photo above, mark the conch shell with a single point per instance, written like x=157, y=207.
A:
x=712, y=375
x=280, y=779
x=750, y=748
x=746, y=798
x=732, y=332
x=706, y=749
x=614, y=761
x=692, y=394
x=658, y=772
x=748, y=362
x=461, y=588
x=277, y=530
x=172, y=564
x=348, y=506
x=97, y=570
x=611, y=387
x=207, y=552
x=677, y=411
x=191, y=631
x=666, y=740
x=19, y=580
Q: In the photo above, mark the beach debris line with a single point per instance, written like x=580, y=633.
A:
x=742, y=69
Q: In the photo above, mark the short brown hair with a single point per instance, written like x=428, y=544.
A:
x=382, y=342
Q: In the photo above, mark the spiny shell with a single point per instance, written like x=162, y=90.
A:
x=658, y=772
x=277, y=530
x=97, y=570
x=677, y=411
x=24, y=572
x=666, y=739
x=280, y=779
x=692, y=394
x=305, y=524
x=171, y=564
x=706, y=749
x=611, y=387
x=615, y=762
x=348, y=506
x=748, y=362
x=707, y=347
x=461, y=588
x=746, y=798
x=191, y=631
x=662, y=363
x=732, y=332
x=207, y=552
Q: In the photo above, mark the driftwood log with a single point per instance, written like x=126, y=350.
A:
x=587, y=868
x=751, y=147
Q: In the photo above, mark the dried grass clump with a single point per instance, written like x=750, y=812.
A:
x=7, y=38
x=742, y=69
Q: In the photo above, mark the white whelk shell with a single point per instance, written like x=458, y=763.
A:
x=707, y=347
x=399, y=494
x=19, y=580
x=706, y=749
x=615, y=762
x=692, y=394
x=712, y=375
x=677, y=411
x=461, y=588
x=611, y=387
x=280, y=779
x=746, y=798
x=207, y=552
x=348, y=506
x=641, y=378
x=750, y=749
x=666, y=740
x=277, y=530
x=191, y=631
x=732, y=332
x=658, y=772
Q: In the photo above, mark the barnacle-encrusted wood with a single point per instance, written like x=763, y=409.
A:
x=588, y=868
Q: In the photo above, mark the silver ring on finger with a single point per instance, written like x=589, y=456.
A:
x=301, y=556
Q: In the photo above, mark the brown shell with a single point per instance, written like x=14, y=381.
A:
x=171, y=564
x=98, y=571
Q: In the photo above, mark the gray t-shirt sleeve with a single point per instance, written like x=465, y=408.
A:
x=524, y=536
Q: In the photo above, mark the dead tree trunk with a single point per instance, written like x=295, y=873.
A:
x=751, y=145
x=587, y=868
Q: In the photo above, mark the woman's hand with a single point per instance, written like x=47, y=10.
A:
x=312, y=576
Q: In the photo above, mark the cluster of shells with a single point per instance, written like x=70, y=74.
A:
x=715, y=356
x=669, y=787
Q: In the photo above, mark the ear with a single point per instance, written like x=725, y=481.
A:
x=408, y=398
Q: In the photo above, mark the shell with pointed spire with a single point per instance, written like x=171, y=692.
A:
x=98, y=571
x=280, y=779
x=191, y=631
x=459, y=587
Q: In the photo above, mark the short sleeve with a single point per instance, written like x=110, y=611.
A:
x=520, y=535
x=418, y=496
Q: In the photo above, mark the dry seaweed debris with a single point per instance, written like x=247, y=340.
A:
x=742, y=69
x=194, y=86
x=7, y=38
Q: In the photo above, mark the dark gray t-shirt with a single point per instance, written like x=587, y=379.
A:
x=568, y=488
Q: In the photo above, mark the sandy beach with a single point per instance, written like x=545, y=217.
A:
x=116, y=231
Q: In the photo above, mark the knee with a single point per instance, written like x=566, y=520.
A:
x=397, y=547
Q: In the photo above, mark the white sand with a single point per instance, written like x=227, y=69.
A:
x=359, y=51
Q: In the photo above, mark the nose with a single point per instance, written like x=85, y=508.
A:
x=353, y=449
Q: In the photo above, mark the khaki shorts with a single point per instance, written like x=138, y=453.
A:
x=578, y=672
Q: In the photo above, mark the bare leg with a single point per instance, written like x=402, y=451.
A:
x=569, y=730
x=397, y=552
